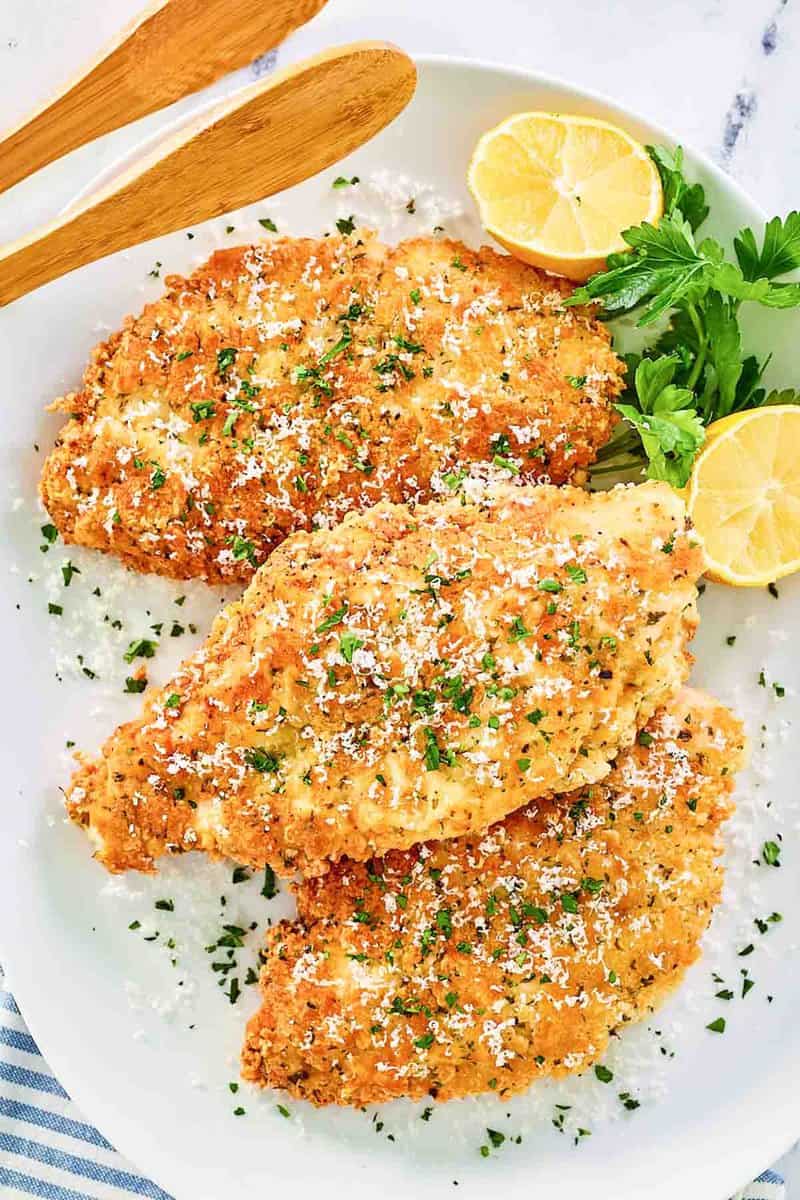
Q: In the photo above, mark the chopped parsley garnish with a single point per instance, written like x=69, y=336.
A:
x=225, y=359
x=518, y=632
x=717, y=1026
x=348, y=644
x=444, y=922
x=334, y=619
x=140, y=648
x=268, y=223
x=771, y=853
x=423, y=701
x=432, y=752
x=409, y=347
x=338, y=348
x=392, y=365
x=261, y=760
x=313, y=376
x=460, y=697
x=341, y=182
x=270, y=887
x=345, y=225
x=202, y=410
x=157, y=478
x=135, y=685
x=241, y=548
x=603, y=1073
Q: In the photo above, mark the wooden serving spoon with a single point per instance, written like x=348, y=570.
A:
x=271, y=135
x=172, y=48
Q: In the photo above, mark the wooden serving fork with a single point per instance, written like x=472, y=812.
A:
x=273, y=134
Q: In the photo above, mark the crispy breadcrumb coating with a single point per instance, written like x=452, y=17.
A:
x=409, y=674
x=485, y=963
x=285, y=384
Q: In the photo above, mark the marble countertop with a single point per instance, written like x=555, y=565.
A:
x=718, y=73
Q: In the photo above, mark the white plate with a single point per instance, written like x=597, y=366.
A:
x=149, y=1061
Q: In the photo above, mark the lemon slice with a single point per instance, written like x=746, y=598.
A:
x=557, y=190
x=744, y=496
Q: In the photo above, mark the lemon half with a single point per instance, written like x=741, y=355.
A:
x=744, y=496
x=557, y=190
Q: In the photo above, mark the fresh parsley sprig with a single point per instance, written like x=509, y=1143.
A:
x=694, y=371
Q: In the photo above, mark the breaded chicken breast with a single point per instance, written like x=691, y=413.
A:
x=409, y=674
x=485, y=963
x=283, y=385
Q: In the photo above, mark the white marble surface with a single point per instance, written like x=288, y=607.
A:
x=719, y=73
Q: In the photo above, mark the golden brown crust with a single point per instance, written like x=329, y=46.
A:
x=285, y=384
x=486, y=963
x=410, y=674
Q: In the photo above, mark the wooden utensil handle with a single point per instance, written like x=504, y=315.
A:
x=173, y=48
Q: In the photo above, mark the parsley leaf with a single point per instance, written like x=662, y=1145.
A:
x=780, y=251
x=688, y=199
x=664, y=269
x=670, y=429
x=348, y=644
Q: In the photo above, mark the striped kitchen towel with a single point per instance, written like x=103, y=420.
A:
x=48, y=1150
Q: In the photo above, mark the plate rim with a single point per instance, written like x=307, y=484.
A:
x=779, y=1123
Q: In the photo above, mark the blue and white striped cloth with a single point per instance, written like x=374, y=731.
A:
x=48, y=1150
